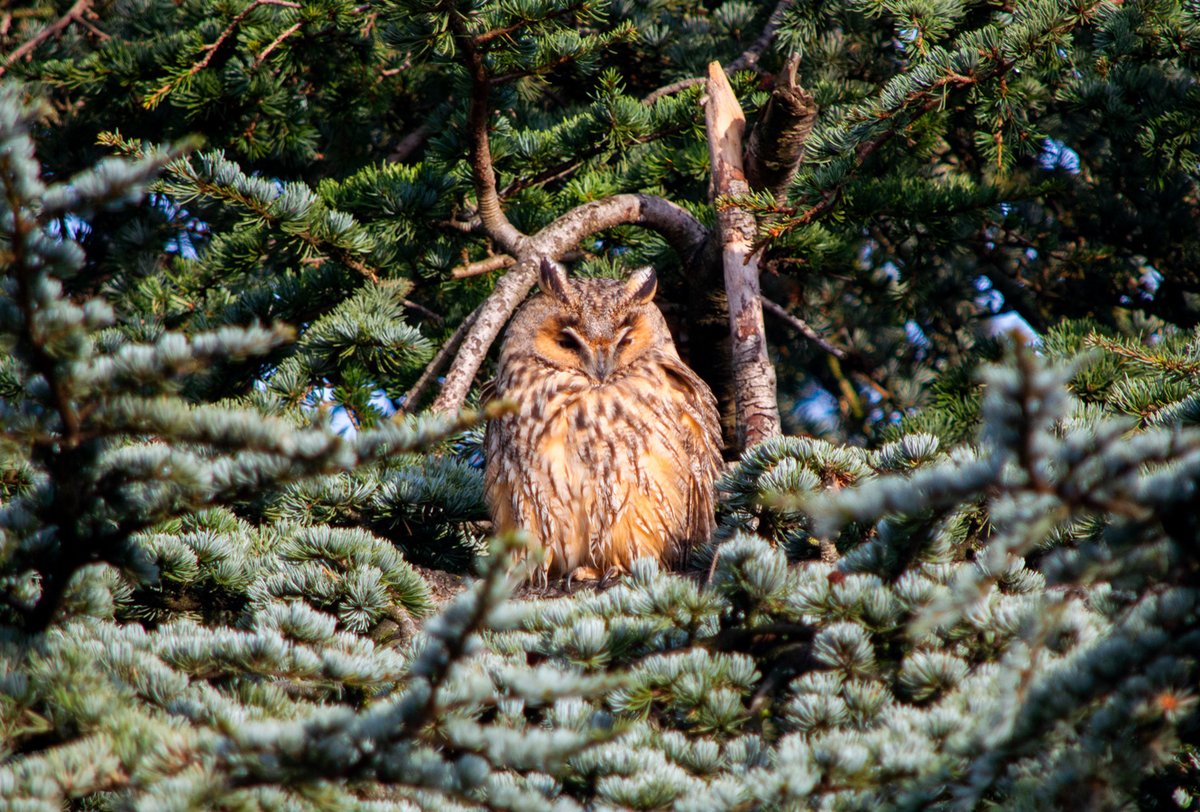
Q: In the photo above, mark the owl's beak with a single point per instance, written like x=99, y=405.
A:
x=604, y=361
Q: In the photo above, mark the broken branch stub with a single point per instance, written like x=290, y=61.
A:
x=775, y=148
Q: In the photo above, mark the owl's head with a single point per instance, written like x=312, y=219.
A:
x=597, y=327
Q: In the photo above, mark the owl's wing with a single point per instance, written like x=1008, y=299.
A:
x=487, y=391
x=702, y=443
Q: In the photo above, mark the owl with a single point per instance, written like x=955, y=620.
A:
x=614, y=447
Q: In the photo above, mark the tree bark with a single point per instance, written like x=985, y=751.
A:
x=754, y=376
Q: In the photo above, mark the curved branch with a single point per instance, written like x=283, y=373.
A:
x=683, y=231
x=491, y=214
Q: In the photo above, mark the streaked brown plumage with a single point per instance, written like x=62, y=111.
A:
x=615, y=445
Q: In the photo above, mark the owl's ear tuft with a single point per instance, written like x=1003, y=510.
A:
x=552, y=279
x=640, y=286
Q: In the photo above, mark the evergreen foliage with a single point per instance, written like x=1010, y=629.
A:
x=973, y=585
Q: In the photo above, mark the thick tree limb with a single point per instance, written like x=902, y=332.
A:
x=776, y=145
x=754, y=376
x=685, y=234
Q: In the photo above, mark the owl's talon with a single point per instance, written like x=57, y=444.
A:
x=610, y=575
x=583, y=574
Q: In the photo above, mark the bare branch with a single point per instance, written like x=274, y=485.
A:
x=74, y=13
x=409, y=144
x=675, y=223
x=495, y=222
x=413, y=396
x=753, y=374
x=492, y=263
x=750, y=57
x=803, y=328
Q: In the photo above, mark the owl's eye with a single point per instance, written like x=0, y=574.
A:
x=626, y=339
x=568, y=340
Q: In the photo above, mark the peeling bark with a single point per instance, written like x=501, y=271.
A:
x=754, y=376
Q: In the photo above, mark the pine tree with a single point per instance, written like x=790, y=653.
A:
x=247, y=243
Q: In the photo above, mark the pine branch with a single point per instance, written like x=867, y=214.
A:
x=747, y=60
x=198, y=184
x=42, y=361
x=210, y=51
x=578, y=159
x=258, y=60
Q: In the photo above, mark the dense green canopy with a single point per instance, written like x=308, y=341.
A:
x=242, y=239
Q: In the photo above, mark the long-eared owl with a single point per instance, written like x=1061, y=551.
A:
x=615, y=445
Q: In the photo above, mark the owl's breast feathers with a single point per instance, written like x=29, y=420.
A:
x=603, y=474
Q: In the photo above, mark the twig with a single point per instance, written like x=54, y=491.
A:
x=211, y=50
x=803, y=328
x=578, y=158
x=672, y=89
x=74, y=13
x=86, y=23
x=413, y=396
x=422, y=309
x=498, y=33
x=258, y=60
x=479, y=267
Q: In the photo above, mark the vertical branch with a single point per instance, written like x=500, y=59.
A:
x=753, y=374
x=495, y=222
